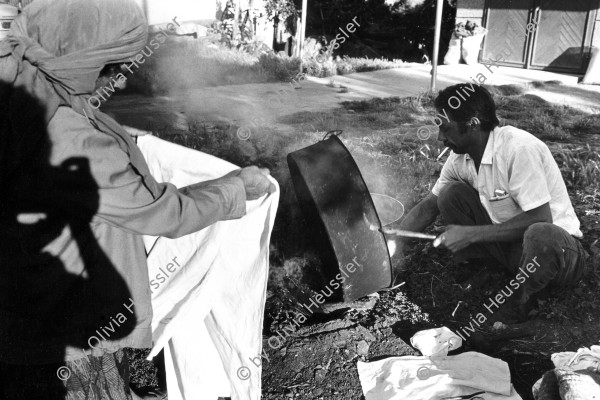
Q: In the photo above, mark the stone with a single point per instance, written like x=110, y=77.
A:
x=362, y=348
x=320, y=375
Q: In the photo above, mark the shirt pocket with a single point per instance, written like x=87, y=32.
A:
x=504, y=209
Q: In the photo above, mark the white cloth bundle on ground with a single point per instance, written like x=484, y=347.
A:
x=423, y=378
x=208, y=311
x=584, y=358
x=435, y=342
x=471, y=45
x=576, y=377
x=592, y=75
x=454, y=53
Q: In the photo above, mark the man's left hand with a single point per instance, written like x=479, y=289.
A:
x=457, y=237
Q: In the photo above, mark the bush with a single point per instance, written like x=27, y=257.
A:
x=313, y=67
x=178, y=66
x=280, y=68
x=347, y=65
x=365, y=64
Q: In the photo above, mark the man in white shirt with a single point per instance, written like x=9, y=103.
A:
x=502, y=197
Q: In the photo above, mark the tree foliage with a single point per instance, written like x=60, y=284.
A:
x=283, y=9
x=407, y=25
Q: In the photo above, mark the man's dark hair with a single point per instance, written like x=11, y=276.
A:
x=464, y=101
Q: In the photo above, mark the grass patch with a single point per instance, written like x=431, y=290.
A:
x=357, y=118
x=547, y=121
x=580, y=167
x=506, y=90
x=392, y=104
x=542, y=84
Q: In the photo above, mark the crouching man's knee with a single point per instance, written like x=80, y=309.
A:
x=453, y=195
x=556, y=253
x=541, y=238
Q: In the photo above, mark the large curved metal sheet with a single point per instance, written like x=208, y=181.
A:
x=336, y=203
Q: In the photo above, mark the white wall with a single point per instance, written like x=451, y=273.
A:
x=467, y=10
x=163, y=11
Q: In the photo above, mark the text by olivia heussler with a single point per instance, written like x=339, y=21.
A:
x=162, y=276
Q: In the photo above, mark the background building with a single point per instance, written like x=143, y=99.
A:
x=560, y=39
x=161, y=11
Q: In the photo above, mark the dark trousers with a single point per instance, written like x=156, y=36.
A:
x=554, y=255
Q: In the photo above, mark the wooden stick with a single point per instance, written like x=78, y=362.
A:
x=409, y=234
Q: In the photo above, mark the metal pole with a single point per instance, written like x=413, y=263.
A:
x=146, y=10
x=303, y=31
x=436, y=42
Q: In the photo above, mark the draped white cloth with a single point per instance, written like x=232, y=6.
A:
x=209, y=304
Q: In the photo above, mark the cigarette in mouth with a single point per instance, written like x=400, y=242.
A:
x=442, y=153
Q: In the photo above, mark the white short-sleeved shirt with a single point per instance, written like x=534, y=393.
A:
x=517, y=174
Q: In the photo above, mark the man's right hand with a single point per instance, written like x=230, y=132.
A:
x=256, y=182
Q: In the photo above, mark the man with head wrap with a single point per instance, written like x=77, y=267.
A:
x=77, y=197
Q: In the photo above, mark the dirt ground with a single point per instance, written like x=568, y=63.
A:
x=318, y=360
x=322, y=364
